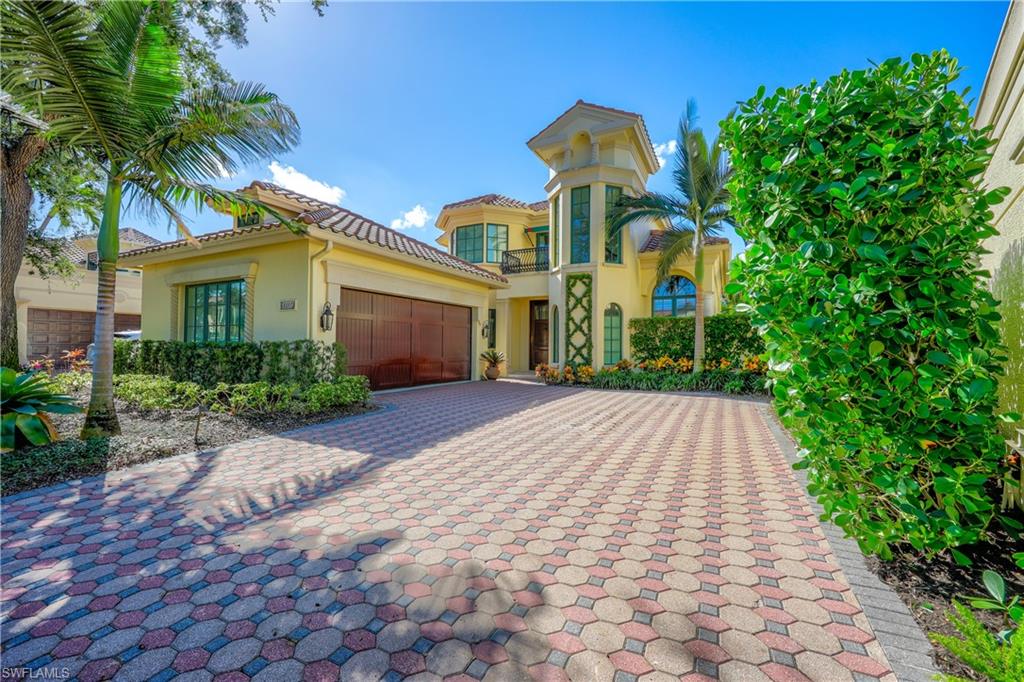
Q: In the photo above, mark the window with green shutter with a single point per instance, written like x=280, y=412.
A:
x=612, y=334
x=579, y=226
x=554, y=333
x=613, y=242
x=469, y=243
x=497, y=242
x=492, y=328
x=556, y=231
x=215, y=312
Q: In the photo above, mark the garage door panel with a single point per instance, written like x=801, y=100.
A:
x=399, y=341
x=51, y=331
x=393, y=340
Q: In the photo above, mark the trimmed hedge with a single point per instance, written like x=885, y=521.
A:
x=150, y=392
x=661, y=375
x=859, y=198
x=208, y=364
x=727, y=335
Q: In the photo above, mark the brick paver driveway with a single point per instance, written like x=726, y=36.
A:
x=496, y=531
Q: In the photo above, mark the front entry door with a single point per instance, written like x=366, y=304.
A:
x=538, y=333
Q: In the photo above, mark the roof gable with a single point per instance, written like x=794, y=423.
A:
x=596, y=120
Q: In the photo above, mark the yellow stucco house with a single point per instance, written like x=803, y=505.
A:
x=56, y=315
x=536, y=281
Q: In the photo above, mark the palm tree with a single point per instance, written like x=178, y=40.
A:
x=108, y=81
x=696, y=211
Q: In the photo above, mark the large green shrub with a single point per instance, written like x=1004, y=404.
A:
x=729, y=336
x=859, y=200
x=208, y=364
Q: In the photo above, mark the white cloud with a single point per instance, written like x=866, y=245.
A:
x=664, y=150
x=415, y=218
x=296, y=181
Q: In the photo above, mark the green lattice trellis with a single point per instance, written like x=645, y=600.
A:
x=579, y=318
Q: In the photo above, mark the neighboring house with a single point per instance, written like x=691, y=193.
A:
x=1001, y=106
x=57, y=315
x=410, y=313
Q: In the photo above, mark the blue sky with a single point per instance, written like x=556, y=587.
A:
x=406, y=105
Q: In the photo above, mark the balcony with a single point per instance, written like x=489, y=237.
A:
x=525, y=260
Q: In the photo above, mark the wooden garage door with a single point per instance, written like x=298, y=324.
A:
x=51, y=332
x=399, y=341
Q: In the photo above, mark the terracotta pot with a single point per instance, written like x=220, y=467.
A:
x=492, y=372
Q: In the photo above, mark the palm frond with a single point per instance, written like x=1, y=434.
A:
x=54, y=67
x=141, y=51
x=675, y=243
x=652, y=205
x=154, y=194
x=220, y=128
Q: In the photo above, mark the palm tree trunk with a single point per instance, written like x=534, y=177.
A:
x=16, y=200
x=101, y=418
x=698, y=313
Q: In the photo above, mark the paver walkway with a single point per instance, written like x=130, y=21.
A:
x=495, y=531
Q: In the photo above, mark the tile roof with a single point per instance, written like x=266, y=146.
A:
x=653, y=241
x=130, y=234
x=623, y=112
x=344, y=222
x=497, y=200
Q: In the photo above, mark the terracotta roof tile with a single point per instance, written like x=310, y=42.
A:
x=497, y=200
x=653, y=242
x=344, y=222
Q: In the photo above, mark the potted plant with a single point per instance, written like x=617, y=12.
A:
x=493, y=359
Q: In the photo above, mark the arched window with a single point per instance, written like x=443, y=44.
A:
x=675, y=297
x=612, y=334
x=554, y=333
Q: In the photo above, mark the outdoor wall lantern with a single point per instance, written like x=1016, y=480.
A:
x=327, y=317
x=485, y=329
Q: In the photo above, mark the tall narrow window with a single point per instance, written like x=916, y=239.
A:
x=612, y=334
x=675, y=297
x=579, y=226
x=554, y=333
x=469, y=243
x=492, y=328
x=497, y=242
x=543, y=250
x=215, y=312
x=613, y=242
x=556, y=232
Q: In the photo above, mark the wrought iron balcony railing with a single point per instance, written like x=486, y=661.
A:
x=525, y=260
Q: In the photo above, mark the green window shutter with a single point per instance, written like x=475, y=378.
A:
x=554, y=334
x=469, y=243
x=613, y=243
x=497, y=242
x=215, y=312
x=556, y=233
x=612, y=334
x=579, y=227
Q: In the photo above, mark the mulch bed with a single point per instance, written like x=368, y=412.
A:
x=145, y=436
x=928, y=588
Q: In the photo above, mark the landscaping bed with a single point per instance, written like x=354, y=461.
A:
x=158, y=419
x=929, y=586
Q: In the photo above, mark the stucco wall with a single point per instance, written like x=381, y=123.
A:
x=280, y=274
x=1001, y=106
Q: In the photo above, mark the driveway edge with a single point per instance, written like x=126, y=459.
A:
x=905, y=645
